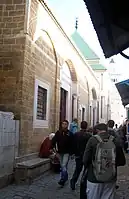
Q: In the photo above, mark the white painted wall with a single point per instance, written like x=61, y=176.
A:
x=105, y=87
x=118, y=112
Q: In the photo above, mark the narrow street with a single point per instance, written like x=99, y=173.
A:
x=46, y=187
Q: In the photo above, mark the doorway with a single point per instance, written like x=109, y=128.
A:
x=98, y=112
x=94, y=119
x=90, y=117
x=83, y=114
x=63, y=104
x=72, y=107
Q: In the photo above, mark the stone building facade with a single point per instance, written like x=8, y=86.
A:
x=43, y=76
x=103, y=96
x=118, y=112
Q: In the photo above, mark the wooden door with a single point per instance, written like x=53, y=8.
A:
x=63, y=100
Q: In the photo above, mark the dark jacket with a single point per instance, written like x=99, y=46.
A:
x=80, y=140
x=89, y=156
x=64, y=142
x=111, y=131
x=123, y=132
x=118, y=136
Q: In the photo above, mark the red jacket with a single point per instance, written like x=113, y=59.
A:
x=45, y=148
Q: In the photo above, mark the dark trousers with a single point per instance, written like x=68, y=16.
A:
x=83, y=185
x=78, y=169
x=126, y=147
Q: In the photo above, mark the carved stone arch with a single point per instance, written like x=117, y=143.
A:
x=72, y=70
x=94, y=95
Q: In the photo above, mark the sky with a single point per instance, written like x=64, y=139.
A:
x=66, y=12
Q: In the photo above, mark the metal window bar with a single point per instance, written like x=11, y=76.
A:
x=41, y=103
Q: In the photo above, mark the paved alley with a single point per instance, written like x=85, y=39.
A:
x=46, y=187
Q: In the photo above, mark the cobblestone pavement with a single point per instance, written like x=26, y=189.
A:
x=46, y=187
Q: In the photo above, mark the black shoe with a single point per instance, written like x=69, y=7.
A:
x=72, y=185
x=61, y=183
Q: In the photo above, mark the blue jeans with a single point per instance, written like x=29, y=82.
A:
x=64, y=159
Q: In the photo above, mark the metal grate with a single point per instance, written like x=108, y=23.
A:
x=41, y=103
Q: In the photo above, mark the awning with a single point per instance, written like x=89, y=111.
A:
x=123, y=89
x=110, y=19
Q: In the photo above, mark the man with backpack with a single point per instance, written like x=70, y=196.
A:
x=63, y=139
x=101, y=157
x=80, y=140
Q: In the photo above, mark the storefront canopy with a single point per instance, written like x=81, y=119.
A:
x=123, y=89
x=110, y=19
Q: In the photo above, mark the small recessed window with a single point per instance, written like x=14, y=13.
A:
x=41, y=103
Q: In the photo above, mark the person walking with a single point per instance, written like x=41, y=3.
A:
x=116, y=126
x=74, y=126
x=123, y=131
x=90, y=130
x=80, y=140
x=101, y=158
x=111, y=129
x=63, y=139
x=116, y=133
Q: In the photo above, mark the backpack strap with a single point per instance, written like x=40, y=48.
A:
x=98, y=138
x=111, y=138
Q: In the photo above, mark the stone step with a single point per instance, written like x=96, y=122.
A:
x=6, y=179
x=26, y=171
x=26, y=157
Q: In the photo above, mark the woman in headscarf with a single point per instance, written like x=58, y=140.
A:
x=45, y=149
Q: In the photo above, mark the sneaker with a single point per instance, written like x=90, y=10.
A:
x=72, y=185
x=61, y=183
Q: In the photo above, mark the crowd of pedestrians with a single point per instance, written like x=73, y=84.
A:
x=97, y=151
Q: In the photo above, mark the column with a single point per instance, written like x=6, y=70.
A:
x=75, y=106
